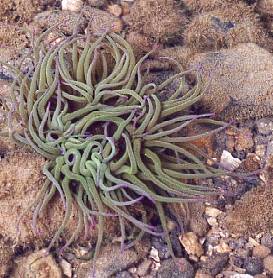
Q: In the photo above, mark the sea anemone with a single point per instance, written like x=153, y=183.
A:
x=114, y=147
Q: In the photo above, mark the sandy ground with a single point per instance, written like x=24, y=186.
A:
x=231, y=44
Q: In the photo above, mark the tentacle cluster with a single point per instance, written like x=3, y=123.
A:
x=111, y=143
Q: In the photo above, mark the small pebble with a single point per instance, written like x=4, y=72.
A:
x=228, y=162
x=260, y=251
x=154, y=254
x=260, y=150
x=191, y=244
x=253, y=266
x=223, y=248
x=212, y=221
x=267, y=240
x=252, y=242
x=265, y=126
x=212, y=212
x=268, y=264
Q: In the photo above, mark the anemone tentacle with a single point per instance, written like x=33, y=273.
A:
x=88, y=111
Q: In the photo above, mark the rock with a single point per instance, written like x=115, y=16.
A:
x=110, y=261
x=72, y=5
x=214, y=264
x=212, y=212
x=260, y=251
x=191, y=244
x=253, y=266
x=212, y=221
x=178, y=268
x=268, y=264
x=222, y=248
x=244, y=140
x=265, y=126
x=251, y=242
x=228, y=162
x=238, y=89
x=267, y=240
x=38, y=264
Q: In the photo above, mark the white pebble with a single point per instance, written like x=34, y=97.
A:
x=228, y=162
x=72, y=5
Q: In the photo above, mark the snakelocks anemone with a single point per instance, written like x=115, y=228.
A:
x=111, y=143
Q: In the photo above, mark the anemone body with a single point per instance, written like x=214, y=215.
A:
x=111, y=143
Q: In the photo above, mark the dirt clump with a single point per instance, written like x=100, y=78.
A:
x=174, y=58
x=38, y=264
x=18, y=11
x=101, y=21
x=140, y=43
x=239, y=82
x=13, y=39
x=5, y=143
x=65, y=21
x=225, y=28
x=20, y=181
x=160, y=19
x=208, y=5
x=97, y=21
x=253, y=213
